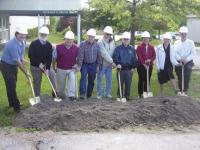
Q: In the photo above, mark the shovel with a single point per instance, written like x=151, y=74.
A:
x=182, y=93
x=56, y=99
x=148, y=93
x=76, y=85
x=34, y=100
x=121, y=99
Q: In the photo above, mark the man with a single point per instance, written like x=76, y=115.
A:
x=125, y=58
x=40, y=52
x=12, y=58
x=88, y=61
x=184, y=51
x=107, y=46
x=146, y=55
x=65, y=57
x=164, y=64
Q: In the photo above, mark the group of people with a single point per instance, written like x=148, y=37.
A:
x=63, y=61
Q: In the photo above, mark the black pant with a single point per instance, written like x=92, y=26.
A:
x=9, y=73
x=187, y=74
x=142, y=75
x=126, y=79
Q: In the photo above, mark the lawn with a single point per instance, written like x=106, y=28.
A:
x=24, y=91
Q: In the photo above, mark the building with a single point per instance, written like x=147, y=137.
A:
x=193, y=24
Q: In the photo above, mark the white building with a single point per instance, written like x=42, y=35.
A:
x=193, y=24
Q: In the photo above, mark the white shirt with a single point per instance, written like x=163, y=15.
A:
x=183, y=50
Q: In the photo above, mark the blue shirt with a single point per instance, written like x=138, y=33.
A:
x=13, y=51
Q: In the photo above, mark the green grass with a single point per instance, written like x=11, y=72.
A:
x=24, y=92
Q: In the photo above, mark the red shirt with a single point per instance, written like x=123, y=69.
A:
x=144, y=53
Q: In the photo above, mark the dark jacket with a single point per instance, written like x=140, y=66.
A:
x=125, y=56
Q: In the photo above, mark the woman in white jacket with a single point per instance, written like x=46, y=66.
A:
x=164, y=65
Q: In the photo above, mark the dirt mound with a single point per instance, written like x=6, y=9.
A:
x=93, y=115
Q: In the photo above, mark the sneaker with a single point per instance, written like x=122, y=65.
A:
x=99, y=97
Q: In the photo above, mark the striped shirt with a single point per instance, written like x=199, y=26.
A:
x=89, y=53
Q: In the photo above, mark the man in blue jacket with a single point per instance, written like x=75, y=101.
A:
x=125, y=59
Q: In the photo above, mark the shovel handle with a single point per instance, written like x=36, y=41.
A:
x=31, y=85
x=182, y=73
x=119, y=82
x=76, y=85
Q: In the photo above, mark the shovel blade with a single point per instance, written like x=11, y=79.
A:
x=181, y=94
x=147, y=94
x=34, y=100
x=123, y=100
x=57, y=99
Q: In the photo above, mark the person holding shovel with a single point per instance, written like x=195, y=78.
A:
x=184, y=51
x=107, y=46
x=40, y=52
x=146, y=55
x=12, y=58
x=65, y=59
x=125, y=59
x=163, y=62
x=88, y=62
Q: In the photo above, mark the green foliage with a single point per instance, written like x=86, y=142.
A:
x=32, y=33
x=53, y=22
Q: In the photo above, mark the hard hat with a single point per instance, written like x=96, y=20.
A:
x=44, y=30
x=126, y=35
x=69, y=35
x=91, y=32
x=108, y=29
x=167, y=36
x=146, y=34
x=22, y=30
x=183, y=29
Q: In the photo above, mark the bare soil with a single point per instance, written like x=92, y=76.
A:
x=97, y=115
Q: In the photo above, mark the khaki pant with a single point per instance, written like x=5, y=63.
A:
x=66, y=77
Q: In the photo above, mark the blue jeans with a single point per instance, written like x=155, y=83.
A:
x=90, y=71
x=108, y=74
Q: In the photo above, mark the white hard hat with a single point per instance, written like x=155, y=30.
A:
x=146, y=34
x=126, y=35
x=108, y=29
x=69, y=35
x=183, y=29
x=167, y=36
x=22, y=30
x=44, y=30
x=91, y=32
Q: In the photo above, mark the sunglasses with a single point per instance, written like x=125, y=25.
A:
x=108, y=34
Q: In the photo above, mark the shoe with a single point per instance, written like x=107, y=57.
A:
x=82, y=97
x=99, y=97
x=140, y=96
x=127, y=98
x=17, y=110
x=72, y=98
x=109, y=96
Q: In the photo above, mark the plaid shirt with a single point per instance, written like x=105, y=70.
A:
x=89, y=53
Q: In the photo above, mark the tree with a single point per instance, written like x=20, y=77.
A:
x=132, y=15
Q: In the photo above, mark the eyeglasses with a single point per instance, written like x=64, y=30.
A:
x=108, y=34
x=126, y=39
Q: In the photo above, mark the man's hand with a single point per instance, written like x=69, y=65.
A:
x=179, y=64
x=132, y=70
x=184, y=61
x=119, y=66
x=147, y=61
x=46, y=72
x=113, y=65
x=76, y=68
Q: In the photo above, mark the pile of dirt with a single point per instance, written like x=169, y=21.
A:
x=94, y=115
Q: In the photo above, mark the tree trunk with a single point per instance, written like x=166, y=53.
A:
x=133, y=25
